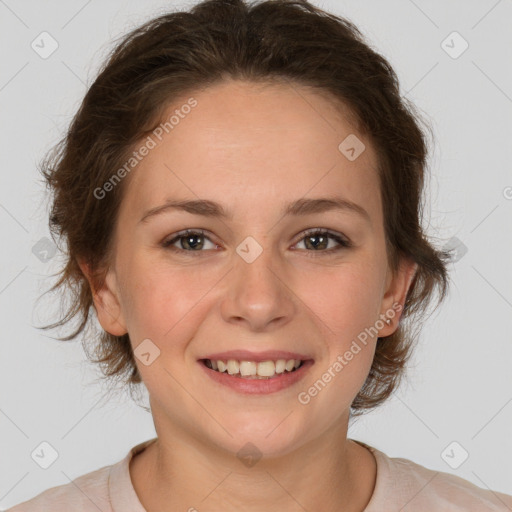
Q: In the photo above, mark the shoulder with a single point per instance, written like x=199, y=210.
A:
x=402, y=484
x=86, y=493
x=446, y=491
x=107, y=489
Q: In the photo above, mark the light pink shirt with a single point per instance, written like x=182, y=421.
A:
x=401, y=485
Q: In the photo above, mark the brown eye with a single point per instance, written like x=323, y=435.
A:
x=317, y=240
x=188, y=241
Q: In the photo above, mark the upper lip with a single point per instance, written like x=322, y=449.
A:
x=246, y=355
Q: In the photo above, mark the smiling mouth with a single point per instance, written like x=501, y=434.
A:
x=252, y=369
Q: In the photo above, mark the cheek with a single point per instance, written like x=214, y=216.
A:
x=346, y=300
x=163, y=304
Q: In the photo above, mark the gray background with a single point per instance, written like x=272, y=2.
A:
x=459, y=384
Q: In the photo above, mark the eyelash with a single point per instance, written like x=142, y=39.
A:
x=343, y=242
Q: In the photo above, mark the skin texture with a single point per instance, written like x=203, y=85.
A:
x=252, y=148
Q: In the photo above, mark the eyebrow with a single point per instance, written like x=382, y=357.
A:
x=300, y=207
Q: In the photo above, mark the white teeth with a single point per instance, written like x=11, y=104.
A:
x=252, y=369
x=266, y=369
x=247, y=368
x=280, y=365
x=233, y=367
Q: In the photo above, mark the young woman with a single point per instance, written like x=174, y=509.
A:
x=240, y=194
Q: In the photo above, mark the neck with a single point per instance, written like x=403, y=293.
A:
x=178, y=472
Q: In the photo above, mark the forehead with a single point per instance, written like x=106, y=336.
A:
x=247, y=145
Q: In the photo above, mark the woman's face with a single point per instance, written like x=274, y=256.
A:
x=253, y=286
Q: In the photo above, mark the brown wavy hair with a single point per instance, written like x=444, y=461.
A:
x=175, y=54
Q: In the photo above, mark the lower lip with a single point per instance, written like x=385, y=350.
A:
x=258, y=386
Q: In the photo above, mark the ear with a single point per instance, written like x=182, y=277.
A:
x=106, y=301
x=393, y=301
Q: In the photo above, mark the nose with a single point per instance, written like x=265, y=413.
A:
x=257, y=294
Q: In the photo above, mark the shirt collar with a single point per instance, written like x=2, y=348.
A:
x=121, y=492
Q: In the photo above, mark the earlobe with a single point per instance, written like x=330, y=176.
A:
x=106, y=301
x=398, y=289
